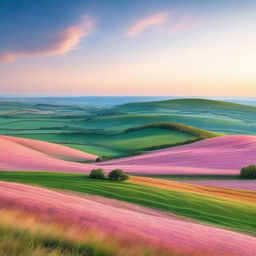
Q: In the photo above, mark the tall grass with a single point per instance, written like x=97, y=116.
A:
x=23, y=233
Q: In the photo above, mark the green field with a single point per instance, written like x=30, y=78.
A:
x=121, y=122
x=123, y=143
x=212, y=210
x=216, y=115
x=103, y=131
x=91, y=133
x=203, y=106
x=97, y=150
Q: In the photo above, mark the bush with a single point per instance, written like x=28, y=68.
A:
x=248, y=172
x=103, y=158
x=97, y=174
x=118, y=175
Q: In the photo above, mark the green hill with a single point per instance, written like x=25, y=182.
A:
x=188, y=103
x=129, y=141
x=217, y=124
x=125, y=129
x=208, y=114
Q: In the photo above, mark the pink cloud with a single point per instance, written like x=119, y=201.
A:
x=61, y=42
x=69, y=39
x=148, y=22
x=185, y=23
x=165, y=25
x=8, y=57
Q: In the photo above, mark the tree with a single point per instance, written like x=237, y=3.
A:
x=97, y=174
x=248, y=172
x=118, y=175
x=103, y=158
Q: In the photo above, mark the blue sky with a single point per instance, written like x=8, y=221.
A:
x=143, y=47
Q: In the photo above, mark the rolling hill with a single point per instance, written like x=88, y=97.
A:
x=216, y=115
x=53, y=150
x=125, y=121
x=155, y=229
x=125, y=142
x=25, y=154
x=223, y=155
x=189, y=105
x=109, y=132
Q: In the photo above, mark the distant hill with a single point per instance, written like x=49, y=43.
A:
x=129, y=142
x=103, y=132
x=192, y=105
x=230, y=117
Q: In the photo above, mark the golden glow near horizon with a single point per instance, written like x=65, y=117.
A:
x=162, y=53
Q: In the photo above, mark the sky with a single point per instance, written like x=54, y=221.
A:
x=128, y=47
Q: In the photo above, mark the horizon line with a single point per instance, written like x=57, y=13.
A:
x=109, y=96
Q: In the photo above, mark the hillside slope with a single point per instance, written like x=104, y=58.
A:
x=221, y=155
x=187, y=104
x=219, y=116
x=25, y=154
x=128, y=141
x=51, y=149
x=170, y=232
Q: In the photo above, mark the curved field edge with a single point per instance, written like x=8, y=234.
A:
x=51, y=149
x=230, y=214
x=176, y=127
x=128, y=141
x=197, y=133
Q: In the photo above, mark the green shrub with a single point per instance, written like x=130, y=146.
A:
x=98, y=160
x=248, y=172
x=103, y=158
x=118, y=175
x=97, y=174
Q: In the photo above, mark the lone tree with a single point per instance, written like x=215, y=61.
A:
x=97, y=174
x=118, y=175
x=103, y=158
x=248, y=172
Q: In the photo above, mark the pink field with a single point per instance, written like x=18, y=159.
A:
x=222, y=155
x=126, y=221
x=34, y=155
x=52, y=149
x=235, y=184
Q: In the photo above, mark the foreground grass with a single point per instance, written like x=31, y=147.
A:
x=22, y=243
x=217, y=211
x=25, y=233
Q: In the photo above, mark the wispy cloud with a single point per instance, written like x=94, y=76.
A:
x=7, y=57
x=58, y=43
x=165, y=24
x=146, y=23
x=69, y=39
x=185, y=23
